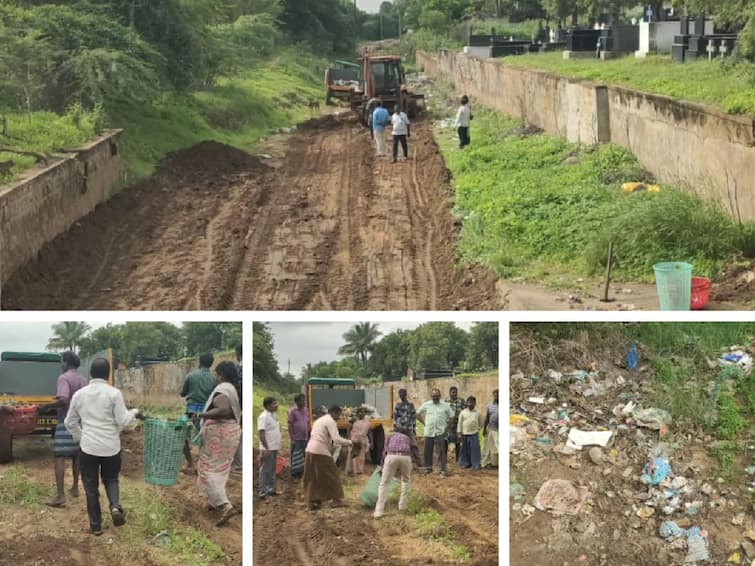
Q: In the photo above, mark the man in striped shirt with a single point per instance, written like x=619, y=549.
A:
x=397, y=462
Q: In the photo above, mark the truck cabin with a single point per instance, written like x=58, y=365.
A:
x=31, y=378
x=385, y=79
x=331, y=391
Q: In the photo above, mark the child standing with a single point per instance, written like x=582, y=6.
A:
x=400, y=124
x=463, y=121
x=359, y=438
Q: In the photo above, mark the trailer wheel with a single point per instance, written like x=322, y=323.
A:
x=377, y=442
x=6, y=447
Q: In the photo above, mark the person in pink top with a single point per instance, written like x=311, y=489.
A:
x=64, y=445
x=321, y=479
x=360, y=439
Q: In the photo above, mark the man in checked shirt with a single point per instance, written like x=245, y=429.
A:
x=396, y=462
x=405, y=418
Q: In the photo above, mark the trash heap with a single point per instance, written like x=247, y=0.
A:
x=627, y=459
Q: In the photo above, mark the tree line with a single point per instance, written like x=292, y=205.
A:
x=94, y=54
x=370, y=355
x=135, y=342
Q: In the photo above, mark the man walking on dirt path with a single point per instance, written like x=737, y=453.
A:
x=237, y=467
x=463, y=122
x=96, y=417
x=401, y=132
x=490, y=432
x=64, y=446
x=380, y=119
x=457, y=405
x=470, y=423
x=196, y=390
x=405, y=418
x=269, y=431
x=321, y=479
x=435, y=416
x=298, y=432
x=396, y=462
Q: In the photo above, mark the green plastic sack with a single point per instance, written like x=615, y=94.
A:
x=369, y=494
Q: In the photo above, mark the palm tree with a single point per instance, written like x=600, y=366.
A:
x=67, y=336
x=360, y=339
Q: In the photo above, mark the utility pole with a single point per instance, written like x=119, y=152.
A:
x=399, y=30
x=382, y=37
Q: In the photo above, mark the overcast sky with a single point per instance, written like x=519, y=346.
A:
x=29, y=336
x=312, y=342
x=372, y=6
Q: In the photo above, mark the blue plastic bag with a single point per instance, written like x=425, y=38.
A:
x=633, y=360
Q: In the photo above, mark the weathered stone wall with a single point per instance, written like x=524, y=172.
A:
x=48, y=200
x=691, y=145
x=158, y=384
x=480, y=387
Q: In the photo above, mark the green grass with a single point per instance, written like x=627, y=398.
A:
x=729, y=86
x=237, y=112
x=429, y=523
x=537, y=206
x=18, y=489
x=519, y=30
x=46, y=133
x=148, y=517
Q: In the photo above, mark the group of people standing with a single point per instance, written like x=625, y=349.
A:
x=380, y=118
x=315, y=451
x=91, y=414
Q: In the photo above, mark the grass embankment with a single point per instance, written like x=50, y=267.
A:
x=152, y=529
x=538, y=207
x=729, y=86
x=703, y=398
x=237, y=111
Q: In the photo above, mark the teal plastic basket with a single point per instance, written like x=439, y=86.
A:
x=163, y=450
x=673, y=281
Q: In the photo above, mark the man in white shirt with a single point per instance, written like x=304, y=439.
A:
x=401, y=132
x=270, y=443
x=463, y=121
x=96, y=416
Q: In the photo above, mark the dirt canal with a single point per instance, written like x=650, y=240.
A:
x=320, y=223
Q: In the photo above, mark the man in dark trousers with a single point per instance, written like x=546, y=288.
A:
x=96, y=417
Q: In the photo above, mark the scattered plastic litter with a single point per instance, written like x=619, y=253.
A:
x=640, y=187
x=655, y=471
x=561, y=497
x=656, y=419
x=580, y=438
x=697, y=544
x=537, y=400
x=517, y=491
x=633, y=360
x=737, y=357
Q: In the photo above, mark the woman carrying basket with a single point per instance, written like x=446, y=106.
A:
x=220, y=434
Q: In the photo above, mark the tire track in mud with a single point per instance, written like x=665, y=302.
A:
x=332, y=227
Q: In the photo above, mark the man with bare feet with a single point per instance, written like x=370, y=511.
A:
x=64, y=445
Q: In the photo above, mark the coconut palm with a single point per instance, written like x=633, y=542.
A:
x=360, y=339
x=67, y=336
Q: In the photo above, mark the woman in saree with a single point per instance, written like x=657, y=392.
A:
x=220, y=433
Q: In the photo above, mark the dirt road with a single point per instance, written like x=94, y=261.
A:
x=324, y=225
x=31, y=533
x=467, y=502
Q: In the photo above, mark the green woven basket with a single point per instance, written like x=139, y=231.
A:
x=163, y=450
